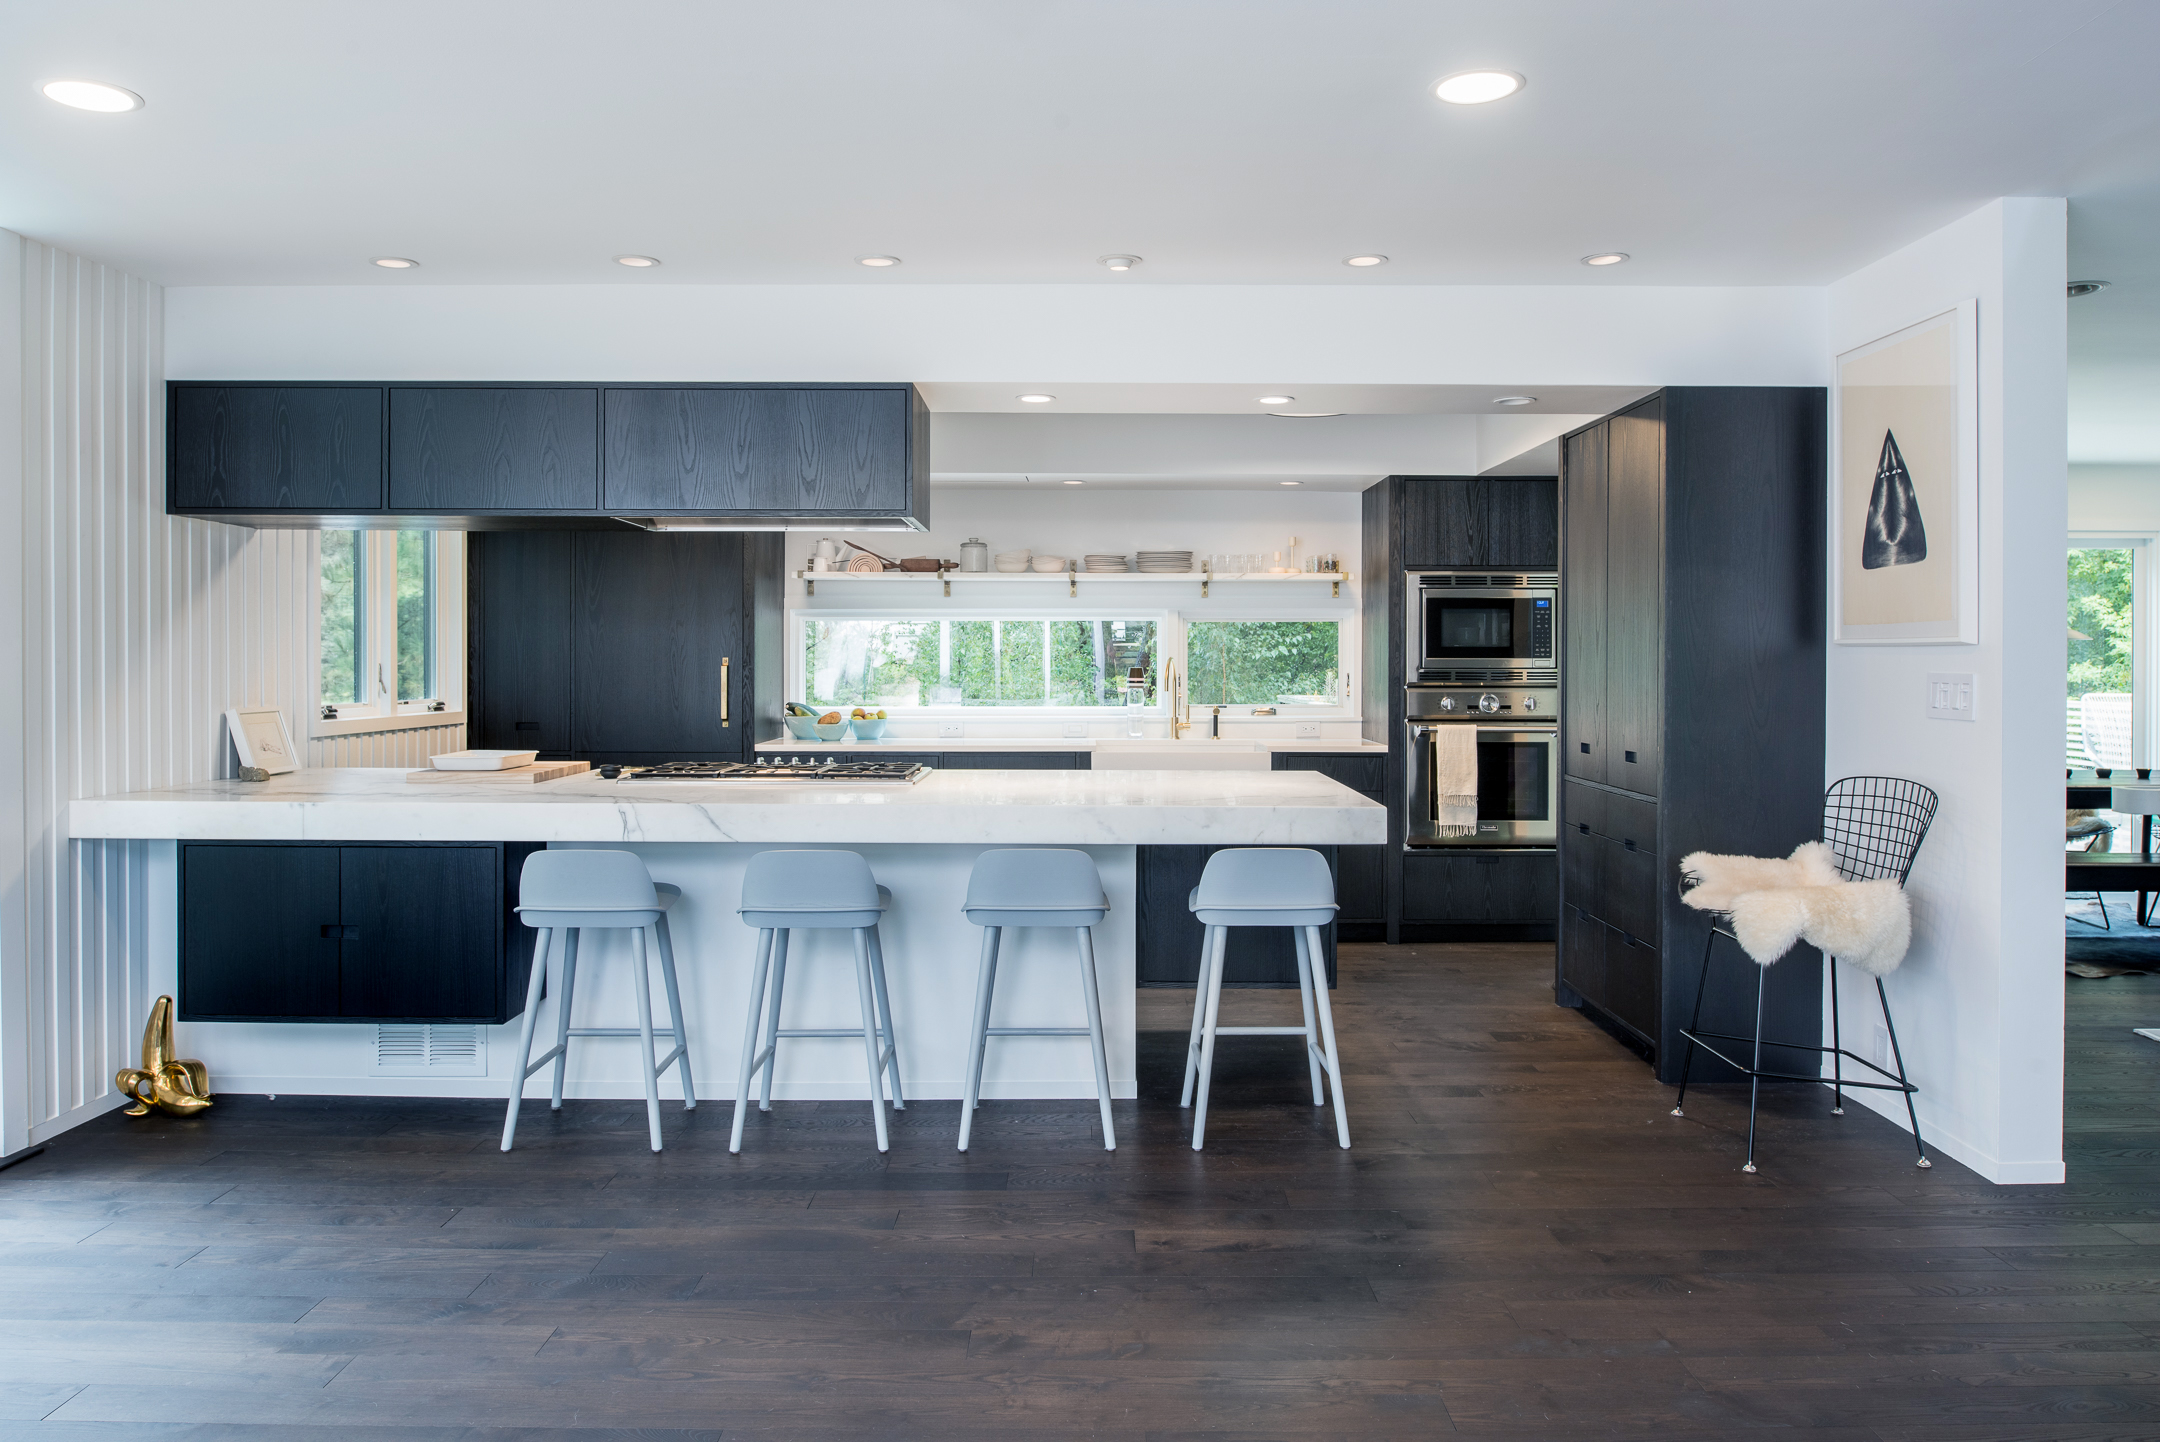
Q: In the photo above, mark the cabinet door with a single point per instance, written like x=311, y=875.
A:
x=519, y=635
x=1444, y=521
x=1361, y=883
x=259, y=932
x=1016, y=761
x=277, y=448
x=1363, y=772
x=1515, y=887
x=1168, y=935
x=787, y=451
x=1634, y=626
x=653, y=619
x=1524, y=525
x=470, y=448
x=1631, y=982
x=421, y=938
x=1582, y=955
x=1583, y=608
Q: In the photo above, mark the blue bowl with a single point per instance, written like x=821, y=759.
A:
x=829, y=733
x=868, y=730
x=802, y=728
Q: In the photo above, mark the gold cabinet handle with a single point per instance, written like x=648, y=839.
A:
x=723, y=690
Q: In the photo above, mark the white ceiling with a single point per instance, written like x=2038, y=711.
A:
x=1251, y=141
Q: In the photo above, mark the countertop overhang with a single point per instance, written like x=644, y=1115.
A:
x=1069, y=808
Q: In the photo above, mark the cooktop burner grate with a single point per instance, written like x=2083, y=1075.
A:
x=791, y=771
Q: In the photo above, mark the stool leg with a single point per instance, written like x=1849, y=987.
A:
x=772, y=1030
x=1687, y=1058
x=892, y=1032
x=1837, y=1045
x=1199, y=1009
x=642, y=970
x=562, y=1014
x=1091, y=989
x=1755, y=1068
x=989, y=1001
x=525, y=1035
x=1305, y=1000
x=674, y=1006
x=1326, y=1009
x=1207, y=1035
x=978, y=1035
x=758, y=969
x=868, y=1003
x=1897, y=1054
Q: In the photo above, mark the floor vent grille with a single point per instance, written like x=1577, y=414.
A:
x=429, y=1049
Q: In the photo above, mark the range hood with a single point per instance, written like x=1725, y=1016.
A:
x=772, y=523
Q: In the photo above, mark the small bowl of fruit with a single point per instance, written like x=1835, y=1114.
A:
x=869, y=725
x=832, y=726
x=801, y=722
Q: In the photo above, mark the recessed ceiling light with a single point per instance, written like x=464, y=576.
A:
x=877, y=261
x=1292, y=483
x=90, y=95
x=1076, y=483
x=2077, y=288
x=1035, y=398
x=1305, y=415
x=395, y=262
x=1119, y=262
x=638, y=262
x=1362, y=260
x=1276, y=400
x=1514, y=400
x=1606, y=257
x=1476, y=87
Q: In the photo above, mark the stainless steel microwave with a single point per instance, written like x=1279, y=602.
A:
x=1479, y=623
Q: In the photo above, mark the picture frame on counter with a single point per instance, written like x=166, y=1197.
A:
x=1905, y=485
x=260, y=739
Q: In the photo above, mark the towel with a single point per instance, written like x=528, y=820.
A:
x=1454, y=780
x=1775, y=903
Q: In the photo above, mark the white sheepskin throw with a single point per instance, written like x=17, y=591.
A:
x=1776, y=903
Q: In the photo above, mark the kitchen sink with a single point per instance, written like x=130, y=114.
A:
x=1200, y=755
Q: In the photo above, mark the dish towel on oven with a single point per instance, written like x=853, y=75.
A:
x=1454, y=780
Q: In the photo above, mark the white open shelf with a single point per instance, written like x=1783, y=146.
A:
x=1332, y=579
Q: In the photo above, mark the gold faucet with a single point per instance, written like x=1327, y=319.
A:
x=1180, y=709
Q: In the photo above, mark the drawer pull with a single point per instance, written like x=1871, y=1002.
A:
x=1585, y=747
x=528, y=726
x=340, y=933
x=1630, y=755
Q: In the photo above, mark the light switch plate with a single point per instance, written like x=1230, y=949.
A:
x=951, y=730
x=1952, y=696
x=1308, y=731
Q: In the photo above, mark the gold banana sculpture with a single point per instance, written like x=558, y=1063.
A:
x=169, y=1083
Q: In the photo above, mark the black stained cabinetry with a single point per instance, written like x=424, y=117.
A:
x=479, y=455
x=1456, y=521
x=1014, y=761
x=1169, y=935
x=352, y=931
x=289, y=448
x=1692, y=698
x=482, y=448
x=627, y=647
x=1360, y=871
x=1494, y=894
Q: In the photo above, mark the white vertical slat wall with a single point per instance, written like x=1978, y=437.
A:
x=137, y=631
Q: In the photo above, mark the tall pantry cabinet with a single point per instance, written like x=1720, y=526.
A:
x=1692, y=614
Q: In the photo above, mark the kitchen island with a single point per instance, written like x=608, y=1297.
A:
x=921, y=840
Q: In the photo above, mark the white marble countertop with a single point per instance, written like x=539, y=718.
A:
x=1072, y=808
x=1346, y=746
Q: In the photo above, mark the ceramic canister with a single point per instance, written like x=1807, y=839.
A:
x=974, y=555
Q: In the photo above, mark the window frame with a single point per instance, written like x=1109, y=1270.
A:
x=378, y=626
x=1170, y=637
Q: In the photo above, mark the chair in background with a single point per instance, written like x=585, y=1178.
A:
x=2098, y=835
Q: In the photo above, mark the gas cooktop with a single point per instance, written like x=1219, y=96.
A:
x=775, y=771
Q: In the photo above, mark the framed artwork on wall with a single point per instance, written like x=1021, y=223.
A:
x=1905, y=485
x=260, y=739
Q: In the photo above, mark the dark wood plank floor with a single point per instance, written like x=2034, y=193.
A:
x=1523, y=1243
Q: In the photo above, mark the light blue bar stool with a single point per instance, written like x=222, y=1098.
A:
x=786, y=891
x=1035, y=887
x=564, y=893
x=1264, y=886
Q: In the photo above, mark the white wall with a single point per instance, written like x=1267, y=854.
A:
x=124, y=635
x=1511, y=336
x=2107, y=499
x=1979, y=1002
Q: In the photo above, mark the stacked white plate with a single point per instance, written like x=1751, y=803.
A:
x=1163, y=562
x=1014, y=560
x=1107, y=564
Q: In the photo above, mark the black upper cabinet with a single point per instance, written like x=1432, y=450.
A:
x=312, y=449
x=474, y=448
x=1454, y=521
x=518, y=629
x=656, y=637
x=785, y=451
x=534, y=456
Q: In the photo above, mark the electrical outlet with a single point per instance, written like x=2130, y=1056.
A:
x=1076, y=730
x=951, y=730
x=1308, y=731
x=1882, y=1050
x=1952, y=696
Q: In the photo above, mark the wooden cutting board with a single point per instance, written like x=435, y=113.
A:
x=538, y=771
